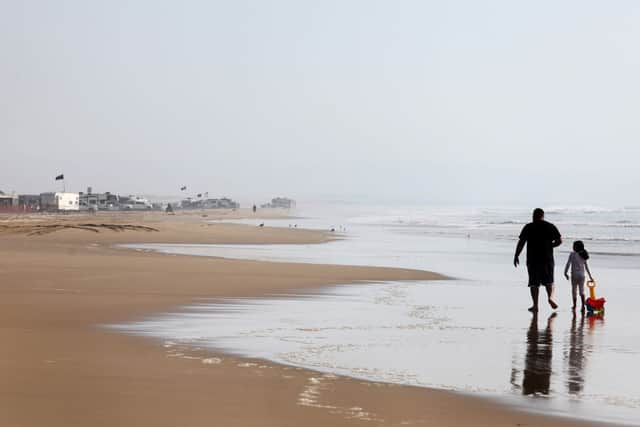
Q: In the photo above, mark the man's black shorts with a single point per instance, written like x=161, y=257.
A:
x=541, y=274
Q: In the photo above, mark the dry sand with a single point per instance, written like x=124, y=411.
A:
x=58, y=367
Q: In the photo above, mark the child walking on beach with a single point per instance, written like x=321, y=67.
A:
x=578, y=263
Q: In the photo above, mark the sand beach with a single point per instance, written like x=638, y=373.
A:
x=304, y=213
x=62, y=278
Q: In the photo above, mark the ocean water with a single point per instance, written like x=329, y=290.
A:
x=472, y=334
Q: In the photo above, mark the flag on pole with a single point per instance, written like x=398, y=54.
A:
x=59, y=177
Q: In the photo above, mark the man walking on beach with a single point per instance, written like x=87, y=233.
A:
x=541, y=237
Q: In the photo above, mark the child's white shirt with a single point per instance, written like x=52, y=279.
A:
x=577, y=264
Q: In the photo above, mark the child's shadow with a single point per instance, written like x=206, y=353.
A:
x=575, y=380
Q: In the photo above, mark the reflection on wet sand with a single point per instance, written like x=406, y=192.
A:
x=537, y=362
x=576, y=356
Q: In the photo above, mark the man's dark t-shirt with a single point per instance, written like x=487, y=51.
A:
x=539, y=236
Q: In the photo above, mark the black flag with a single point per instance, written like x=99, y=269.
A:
x=183, y=188
x=59, y=177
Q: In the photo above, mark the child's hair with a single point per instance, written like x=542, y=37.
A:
x=578, y=246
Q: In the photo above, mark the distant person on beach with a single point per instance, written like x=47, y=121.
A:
x=540, y=237
x=577, y=262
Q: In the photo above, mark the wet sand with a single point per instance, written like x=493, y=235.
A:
x=59, y=367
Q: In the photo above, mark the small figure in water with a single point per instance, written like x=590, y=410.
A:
x=578, y=263
x=254, y=208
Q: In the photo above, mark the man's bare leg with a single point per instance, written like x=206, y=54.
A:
x=535, y=291
x=549, y=289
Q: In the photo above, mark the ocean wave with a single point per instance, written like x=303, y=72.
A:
x=621, y=254
x=410, y=222
x=607, y=239
x=474, y=223
x=615, y=224
x=563, y=210
x=618, y=227
x=505, y=222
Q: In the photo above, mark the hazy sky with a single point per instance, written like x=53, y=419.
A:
x=464, y=101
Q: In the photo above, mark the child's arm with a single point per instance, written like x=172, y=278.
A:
x=586, y=265
x=566, y=267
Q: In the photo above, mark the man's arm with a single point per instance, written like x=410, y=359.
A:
x=519, y=248
x=557, y=238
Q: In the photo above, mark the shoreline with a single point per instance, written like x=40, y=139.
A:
x=55, y=293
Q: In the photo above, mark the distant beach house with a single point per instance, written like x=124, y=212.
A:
x=29, y=202
x=8, y=201
x=98, y=201
x=280, y=202
x=60, y=201
x=135, y=203
x=222, y=203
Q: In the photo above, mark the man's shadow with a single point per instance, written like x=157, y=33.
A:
x=538, y=358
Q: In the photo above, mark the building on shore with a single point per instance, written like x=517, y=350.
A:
x=8, y=201
x=60, y=201
x=88, y=201
x=93, y=202
x=280, y=202
x=29, y=202
x=222, y=203
x=134, y=203
x=99, y=201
